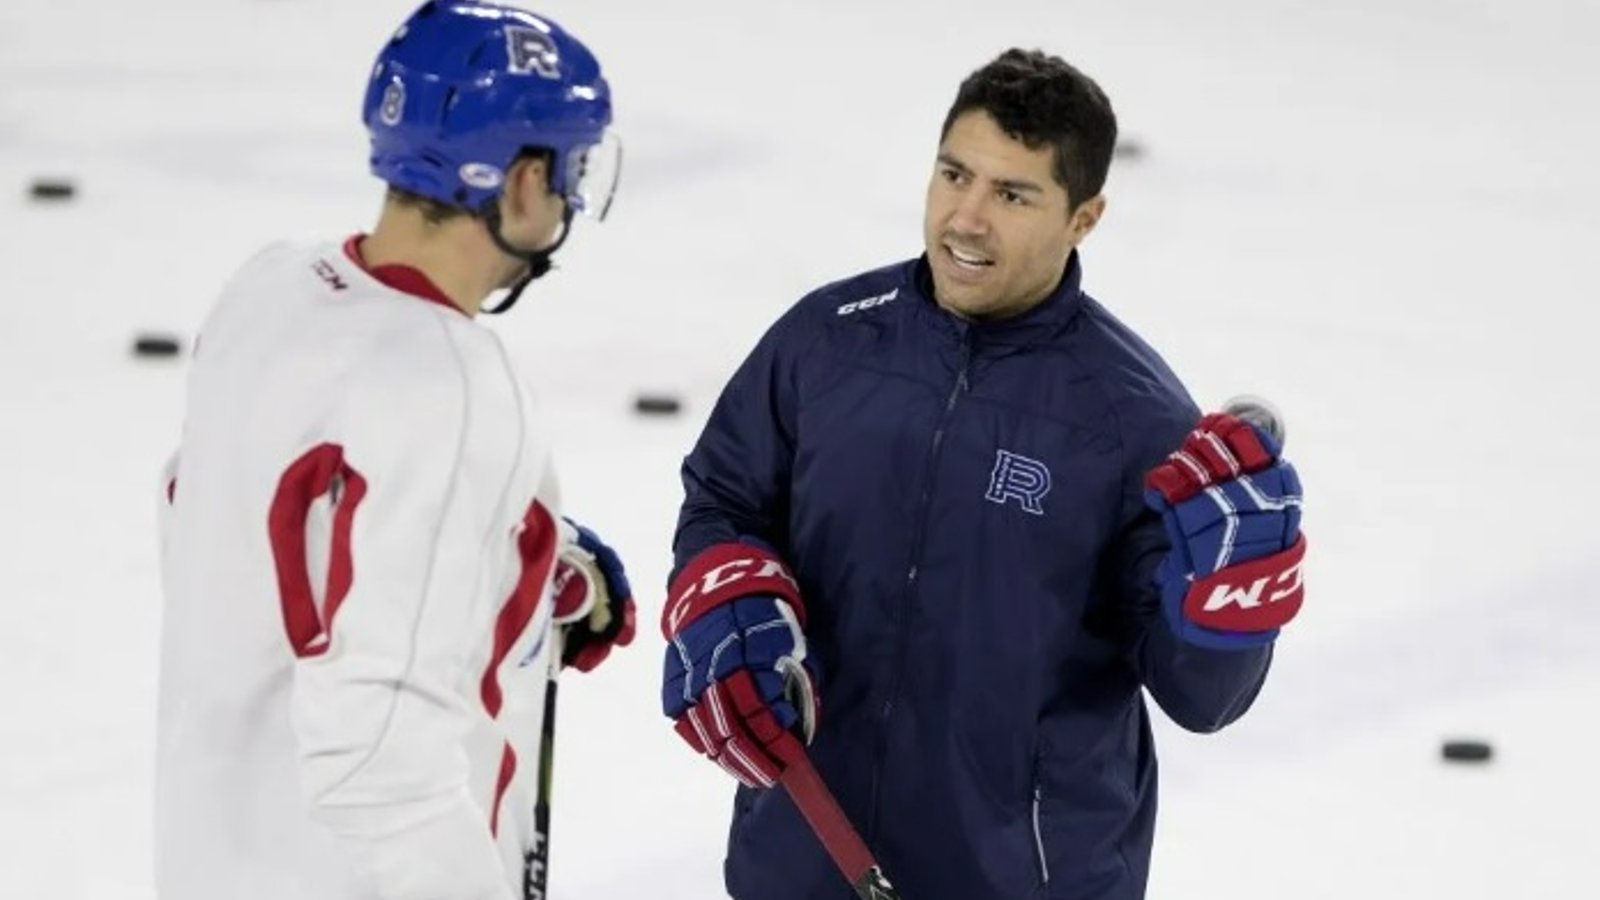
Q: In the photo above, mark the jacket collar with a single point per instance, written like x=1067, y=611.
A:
x=1038, y=323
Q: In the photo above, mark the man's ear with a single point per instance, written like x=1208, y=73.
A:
x=1083, y=219
x=527, y=181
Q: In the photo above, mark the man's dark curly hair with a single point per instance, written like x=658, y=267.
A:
x=1042, y=101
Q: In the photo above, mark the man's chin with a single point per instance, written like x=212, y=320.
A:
x=961, y=300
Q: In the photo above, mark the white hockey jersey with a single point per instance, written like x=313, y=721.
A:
x=357, y=543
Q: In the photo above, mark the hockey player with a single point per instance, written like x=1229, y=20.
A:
x=362, y=527
x=987, y=516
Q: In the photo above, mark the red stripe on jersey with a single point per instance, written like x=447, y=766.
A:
x=341, y=562
x=508, y=769
x=405, y=279
x=320, y=472
x=536, y=546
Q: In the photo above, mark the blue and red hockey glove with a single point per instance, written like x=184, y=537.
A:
x=593, y=601
x=1231, y=508
x=738, y=682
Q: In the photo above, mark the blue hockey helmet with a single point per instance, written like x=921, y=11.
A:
x=466, y=86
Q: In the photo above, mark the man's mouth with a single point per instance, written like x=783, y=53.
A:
x=967, y=259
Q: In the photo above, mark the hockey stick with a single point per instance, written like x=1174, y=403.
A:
x=828, y=821
x=536, y=867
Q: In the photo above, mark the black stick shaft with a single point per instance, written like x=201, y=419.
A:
x=536, y=869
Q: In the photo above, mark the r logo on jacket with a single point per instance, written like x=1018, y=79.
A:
x=1019, y=478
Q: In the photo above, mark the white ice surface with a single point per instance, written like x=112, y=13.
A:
x=1382, y=215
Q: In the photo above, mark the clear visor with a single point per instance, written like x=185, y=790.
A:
x=592, y=176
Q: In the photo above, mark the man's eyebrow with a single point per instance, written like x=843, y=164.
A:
x=1011, y=184
x=1024, y=187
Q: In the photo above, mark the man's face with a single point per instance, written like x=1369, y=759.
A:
x=996, y=227
x=530, y=214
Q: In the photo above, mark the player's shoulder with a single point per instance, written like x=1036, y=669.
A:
x=282, y=256
x=817, y=313
x=325, y=297
x=290, y=271
x=859, y=293
x=265, y=264
x=854, y=299
x=1115, y=343
x=1140, y=386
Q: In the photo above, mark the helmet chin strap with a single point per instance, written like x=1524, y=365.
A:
x=538, y=261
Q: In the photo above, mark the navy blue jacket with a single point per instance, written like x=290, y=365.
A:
x=961, y=503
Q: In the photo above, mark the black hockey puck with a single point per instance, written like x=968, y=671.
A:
x=1467, y=751
x=657, y=405
x=160, y=345
x=52, y=189
x=1130, y=149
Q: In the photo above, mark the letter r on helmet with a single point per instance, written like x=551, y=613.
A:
x=532, y=52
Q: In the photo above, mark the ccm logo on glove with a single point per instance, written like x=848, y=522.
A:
x=1231, y=593
x=724, y=572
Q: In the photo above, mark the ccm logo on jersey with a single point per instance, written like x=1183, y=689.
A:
x=329, y=274
x=870, y=302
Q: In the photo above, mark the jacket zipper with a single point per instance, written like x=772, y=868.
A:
x=1038, y=834
x=900, y=638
